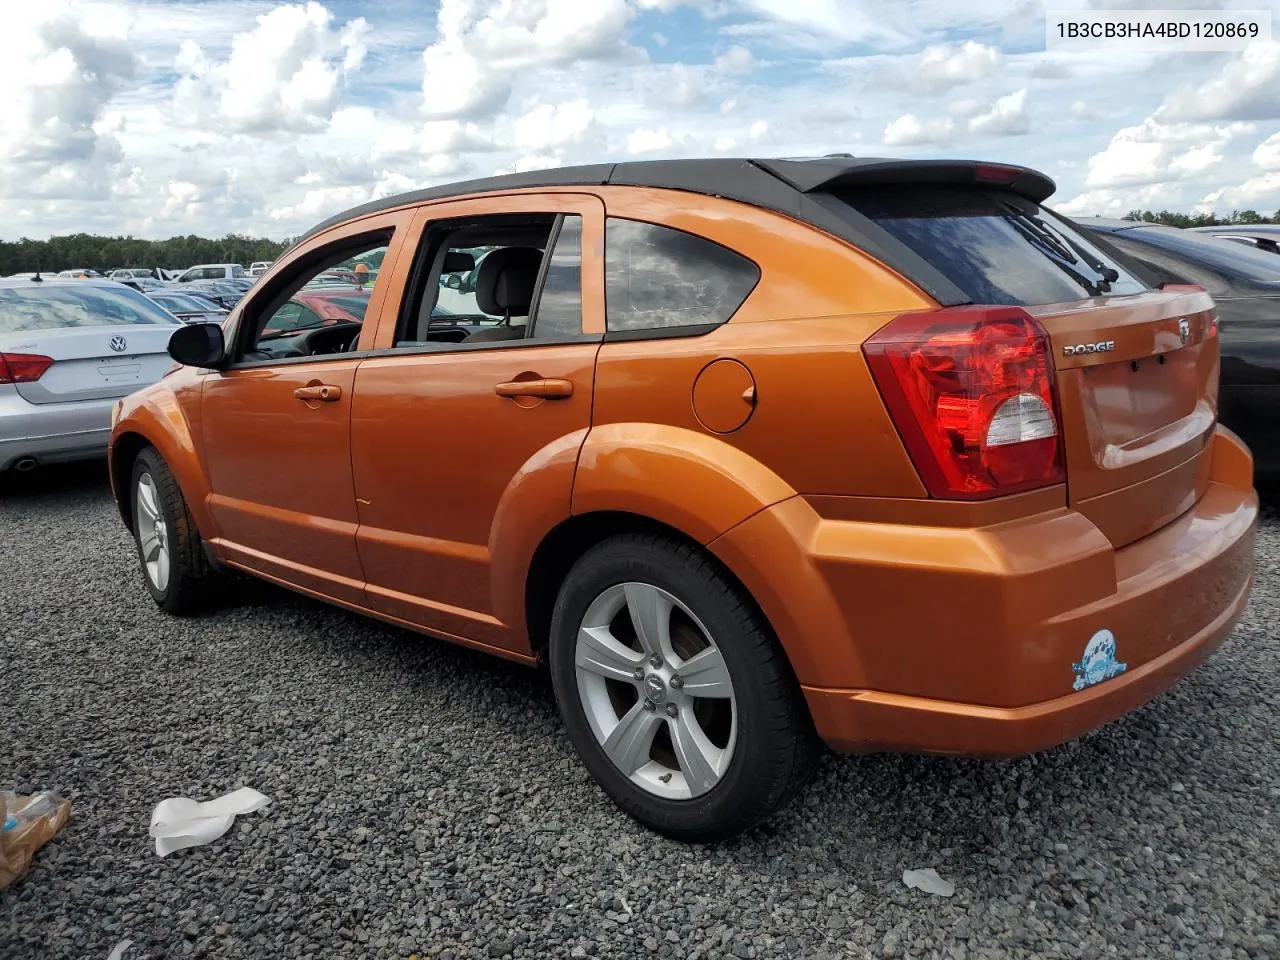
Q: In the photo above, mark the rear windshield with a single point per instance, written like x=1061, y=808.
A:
x=995, y=246
x=52, y=307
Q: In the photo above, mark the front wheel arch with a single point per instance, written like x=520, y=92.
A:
x=124, y=453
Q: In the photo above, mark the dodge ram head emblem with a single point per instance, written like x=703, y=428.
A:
x=1184, y=330
x=1102, y=346
x=118, y=344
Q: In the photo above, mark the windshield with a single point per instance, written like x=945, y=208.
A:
x=996, y=247
x=55, y=307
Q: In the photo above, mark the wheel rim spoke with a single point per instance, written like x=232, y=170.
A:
x=650, y=612
x=629, y=743
x=706, y=675
x=151, y=533
x=600, y=652
x=147, y=498
x=698, y=757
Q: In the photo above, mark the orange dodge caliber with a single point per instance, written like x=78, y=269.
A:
x=755, y=454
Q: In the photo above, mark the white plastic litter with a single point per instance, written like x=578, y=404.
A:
x=119, y=949
x=928, y=881
x=180, y=822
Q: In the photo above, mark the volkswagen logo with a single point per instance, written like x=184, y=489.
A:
x=654, y=688
x=1184, y=329
x=119, y=344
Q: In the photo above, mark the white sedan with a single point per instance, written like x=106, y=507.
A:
x=68, y=350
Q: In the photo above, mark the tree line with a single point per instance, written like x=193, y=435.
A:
x=109, y=253
x=1169, y=218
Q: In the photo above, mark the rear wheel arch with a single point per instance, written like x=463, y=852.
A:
x=566, y=543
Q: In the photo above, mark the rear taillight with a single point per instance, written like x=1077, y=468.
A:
x=23, y=367
x=970, y=390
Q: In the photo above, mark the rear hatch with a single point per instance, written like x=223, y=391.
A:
x=1135, y=369
x=91, y=342
x=1138, y=412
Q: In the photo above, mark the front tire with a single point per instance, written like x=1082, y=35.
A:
x=175, y=570
x=674, y=691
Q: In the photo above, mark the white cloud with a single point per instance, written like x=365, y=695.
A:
x=1247, y=88
x=1267, y=153
x=1257, y=191
x=322, y=202
x=943, y=66
x=1007, y=116
x=549, y=127
x=735, y=61
x=1153, y=151
x=484, y=45
x=1083, y=111
x=533, y=162
x=649, y=141
x=909, y=130
x=58, y=71
x=286, y=75
x=826, y=23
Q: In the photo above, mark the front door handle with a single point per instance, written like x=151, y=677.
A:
x=542, y=389
x=319, y=391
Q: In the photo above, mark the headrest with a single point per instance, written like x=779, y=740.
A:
x=506, y=281
x=455, y=261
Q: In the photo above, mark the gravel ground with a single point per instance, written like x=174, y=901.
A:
x=426, y=800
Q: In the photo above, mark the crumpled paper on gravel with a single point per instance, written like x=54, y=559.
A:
x=928, y=881
x=180, y=822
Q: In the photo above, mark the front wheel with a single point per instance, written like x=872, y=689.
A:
x=174, y=568
x=674, y=691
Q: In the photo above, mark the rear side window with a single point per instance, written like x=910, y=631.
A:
x=560, y=305
x=56, y=307
x=657, y=277
x=996, y=247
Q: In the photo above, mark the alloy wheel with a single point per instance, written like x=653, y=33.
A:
x=153, y=533
x=656, y=691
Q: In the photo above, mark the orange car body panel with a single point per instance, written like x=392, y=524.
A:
x=912, y=623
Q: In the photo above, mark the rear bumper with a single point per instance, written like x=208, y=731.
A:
x=1001, y=639
x=854, y=721
x=52, y=432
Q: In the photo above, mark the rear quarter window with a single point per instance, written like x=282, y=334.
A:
x=660, y=278
x=996, y=247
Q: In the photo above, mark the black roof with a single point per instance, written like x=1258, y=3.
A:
x=798, y=188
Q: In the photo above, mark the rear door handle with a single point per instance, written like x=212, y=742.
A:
x=326, y=392
x=543, y=389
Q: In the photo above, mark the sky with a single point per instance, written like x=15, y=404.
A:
x=155, y=118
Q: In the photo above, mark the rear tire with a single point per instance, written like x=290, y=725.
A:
x=175, y=569
x=699, y=757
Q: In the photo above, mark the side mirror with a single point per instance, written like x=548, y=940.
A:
x=198, y=345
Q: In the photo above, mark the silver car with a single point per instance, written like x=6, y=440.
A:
x=68, y=350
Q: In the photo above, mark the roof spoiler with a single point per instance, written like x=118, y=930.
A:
x=831, y=173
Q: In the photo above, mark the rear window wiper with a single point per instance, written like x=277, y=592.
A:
x=1058, y=250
